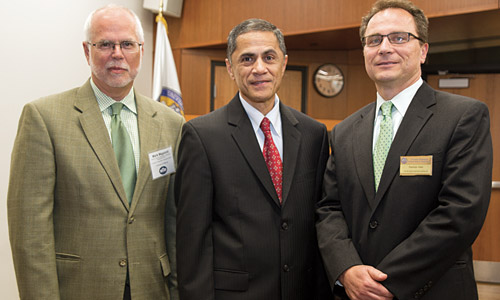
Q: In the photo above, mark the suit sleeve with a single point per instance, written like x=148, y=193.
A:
x=194, y=197
x=451, y=228
x=170, y=229
x=30, y=204
x=335, y=244
x=322, y=289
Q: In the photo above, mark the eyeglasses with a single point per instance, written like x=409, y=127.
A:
x=394, y=38
x=108, y=46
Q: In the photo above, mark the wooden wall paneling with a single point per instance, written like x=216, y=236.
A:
x=290, y=92
x=454, y=7
x=225, y=87
x=199, y=25
x=451, y=33
x=177, y=53
x=318, y=106
x=361, y=89
x=195, y=79
x=487, y=245
x=297, y=16
x=208, y=22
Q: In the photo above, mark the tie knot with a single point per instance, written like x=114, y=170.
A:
x=117, y=108
x=386, y=108
x=265, y=125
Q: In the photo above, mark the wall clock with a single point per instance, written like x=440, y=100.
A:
x=328, y=80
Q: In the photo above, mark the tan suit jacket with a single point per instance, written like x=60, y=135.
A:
x=73, y=234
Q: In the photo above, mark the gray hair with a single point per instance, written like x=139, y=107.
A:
x=421, y=21
x=138, y=25
x=253, y=25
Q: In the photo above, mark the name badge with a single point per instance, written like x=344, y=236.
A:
x=416, y=165
x=161, y=162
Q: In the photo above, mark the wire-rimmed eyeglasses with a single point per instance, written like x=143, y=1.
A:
x=393, y=37
x=108, y=46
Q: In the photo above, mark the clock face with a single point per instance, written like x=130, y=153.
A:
x=328, y=80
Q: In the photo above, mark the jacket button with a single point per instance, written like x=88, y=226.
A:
x=131, y=220
x=123, y=263
x=284, y=225
x=286, y=268
x=373, y=224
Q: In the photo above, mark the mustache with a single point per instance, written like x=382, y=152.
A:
x=115, y=64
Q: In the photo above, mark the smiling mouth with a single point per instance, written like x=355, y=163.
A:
x=117, y=70
x=386, y=63
x=260, y=82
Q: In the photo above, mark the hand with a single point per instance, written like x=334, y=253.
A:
x=362, y=283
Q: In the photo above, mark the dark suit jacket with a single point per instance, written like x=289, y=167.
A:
x=234, y=240
x=419, y=229
x=72, y=231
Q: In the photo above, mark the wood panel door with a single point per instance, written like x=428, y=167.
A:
x=292, y=91
x=485, y=87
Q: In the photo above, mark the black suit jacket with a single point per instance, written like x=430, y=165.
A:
x=234, y=239
x=417, y=229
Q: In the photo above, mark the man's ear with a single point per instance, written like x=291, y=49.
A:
x=229, y=69
x=86, y=50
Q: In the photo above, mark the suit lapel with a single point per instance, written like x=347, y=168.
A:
x=149, y=137
x=414, y=120
x=95, y=130
x=362, y=151
x=244, y=136
x=291, y=144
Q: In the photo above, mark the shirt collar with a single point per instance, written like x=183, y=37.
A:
x=256, y=116
x=104, y=101
x=402, y=100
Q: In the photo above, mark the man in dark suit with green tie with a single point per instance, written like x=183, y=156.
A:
x=407, y=186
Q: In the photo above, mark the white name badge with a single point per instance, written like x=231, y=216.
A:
x=161, y=162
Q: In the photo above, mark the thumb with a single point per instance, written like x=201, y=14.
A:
x=377, y=275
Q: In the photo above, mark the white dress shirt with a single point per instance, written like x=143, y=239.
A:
x=400, y=102
x=274, y=117
x=128, y=116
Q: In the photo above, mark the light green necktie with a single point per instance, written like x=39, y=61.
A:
x=123, y=151
x=384, y=141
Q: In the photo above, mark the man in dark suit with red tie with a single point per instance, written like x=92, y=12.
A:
x=248, y=180
x=407, y=186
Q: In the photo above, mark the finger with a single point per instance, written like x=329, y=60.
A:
x=377, y=275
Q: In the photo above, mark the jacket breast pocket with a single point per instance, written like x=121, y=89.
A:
x=231, y=280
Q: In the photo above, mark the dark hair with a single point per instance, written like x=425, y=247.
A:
x=253, y=25
x=421, y=21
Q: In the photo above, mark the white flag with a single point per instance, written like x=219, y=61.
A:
x=166, y=87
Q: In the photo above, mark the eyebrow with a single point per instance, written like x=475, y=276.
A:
x=251, y=54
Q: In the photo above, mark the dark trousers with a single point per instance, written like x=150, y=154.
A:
x=126, y=294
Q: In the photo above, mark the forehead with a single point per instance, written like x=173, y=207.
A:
x=391, y=20
x=256, y=42
x=114, y=24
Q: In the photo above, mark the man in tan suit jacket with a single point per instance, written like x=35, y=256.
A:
x=73, y=233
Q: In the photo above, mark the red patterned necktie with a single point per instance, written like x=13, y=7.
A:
x=272, y=157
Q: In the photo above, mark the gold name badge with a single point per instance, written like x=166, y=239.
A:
x=415, y=165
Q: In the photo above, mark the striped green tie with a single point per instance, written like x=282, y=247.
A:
x=384, y=141
x=123, y=151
